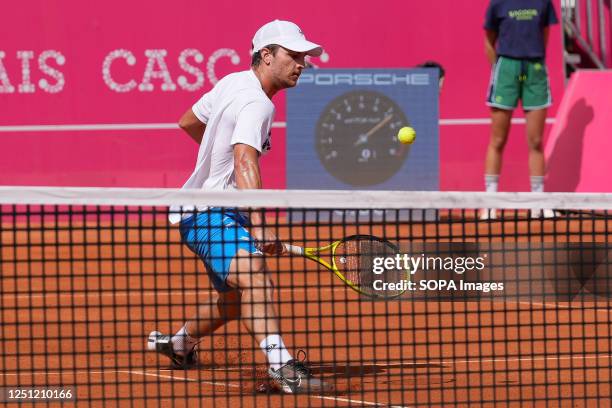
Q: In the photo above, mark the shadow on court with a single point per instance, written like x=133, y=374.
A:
x=363, y=370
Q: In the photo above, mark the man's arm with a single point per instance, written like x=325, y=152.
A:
x=248, y=176
x=545, y=35
x=192, y=126
x=490, y=39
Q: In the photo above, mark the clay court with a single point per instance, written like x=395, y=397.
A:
x=476, y=129
x=77, y=305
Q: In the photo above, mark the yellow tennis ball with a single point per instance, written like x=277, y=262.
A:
x=406, y=135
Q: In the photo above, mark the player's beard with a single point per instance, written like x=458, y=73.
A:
x=292, y=80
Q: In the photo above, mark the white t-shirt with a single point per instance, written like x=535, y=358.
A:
x=236, y=110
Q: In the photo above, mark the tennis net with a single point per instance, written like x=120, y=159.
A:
x=510, y=306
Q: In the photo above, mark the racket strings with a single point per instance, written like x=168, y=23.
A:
x=355, y=259
x=348, y=261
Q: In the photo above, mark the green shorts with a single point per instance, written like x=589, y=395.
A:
x=513, y=79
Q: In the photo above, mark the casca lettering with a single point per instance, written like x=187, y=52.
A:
x=360, y=79
x=48, y=63
x=156, y=69
x=122, y=70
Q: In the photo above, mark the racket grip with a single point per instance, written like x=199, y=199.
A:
x=293, y=249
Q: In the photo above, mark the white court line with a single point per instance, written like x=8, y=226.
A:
x=103, y=372
x=68, y=371
x=171, y=377
x=376, y=404
x=124, y=293
x=441, y=362
x=496, y=360
x=519, y=359
x=223, y=384
x=362, y=402
x=173, y=126
x=150, y=293
x=389, y=364
x=601, y=309
x=237, y=386
x=157, y=294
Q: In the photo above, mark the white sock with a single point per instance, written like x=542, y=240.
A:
x=275, y=351
x=537, y=184
x=491, y=181
x=182, y=342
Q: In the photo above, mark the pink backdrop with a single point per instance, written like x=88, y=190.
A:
x=580, y=141
x=62, y=64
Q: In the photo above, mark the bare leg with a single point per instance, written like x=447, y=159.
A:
x=220, y=309
x=500, y=127
x=248, y=274
x=536, y=120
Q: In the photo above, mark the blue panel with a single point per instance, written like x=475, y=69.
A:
x=342, y=124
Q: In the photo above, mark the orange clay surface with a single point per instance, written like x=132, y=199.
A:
x=77, y=305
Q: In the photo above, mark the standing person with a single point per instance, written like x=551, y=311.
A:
x=516, y=37
x=232, y=125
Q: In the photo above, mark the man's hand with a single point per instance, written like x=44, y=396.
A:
x=490, y=40
x=267, y=241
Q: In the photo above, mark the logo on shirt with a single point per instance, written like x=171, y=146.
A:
x=523, y=14
x=267, y=145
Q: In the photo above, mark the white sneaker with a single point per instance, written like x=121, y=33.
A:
x=162, y=343
x=488, y=214
x=295, y=378
x=544, y=213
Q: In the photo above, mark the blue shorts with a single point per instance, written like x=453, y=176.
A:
x=215, y=236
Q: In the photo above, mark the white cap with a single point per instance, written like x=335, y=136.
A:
x=287, y=35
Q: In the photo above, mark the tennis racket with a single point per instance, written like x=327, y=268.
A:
x=352, y=260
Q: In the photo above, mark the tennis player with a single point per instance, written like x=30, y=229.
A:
x=232, y=124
